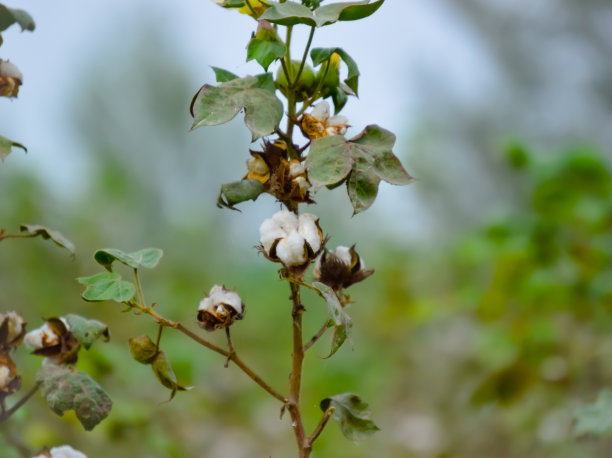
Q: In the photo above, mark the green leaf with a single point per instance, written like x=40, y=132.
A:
x=164, y=373
x=238, y=191
x=596, y=418
x=341, y=321
x=292, y=13
x=362, y=185
x=265, y=48
x=339, y=98
x=352, y=414
x=288, y=13
x=320, y=55
x=389, y=168
x=66, y=389
x=10, y=16
x=106, y=286
x=373, y=160
x=345, y=11
x=143, y=349
x=6, y=147
x=147, y=257
x=87, y=331
x=48, y=234
x=222, y=75
x=212, y=105
x=329, y=160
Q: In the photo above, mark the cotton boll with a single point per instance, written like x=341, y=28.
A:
x=5, y=376
x=343, y=253
x=292, y=250
x=41, y=337
x=286, y=220
x=309, y=229
x=269, y=232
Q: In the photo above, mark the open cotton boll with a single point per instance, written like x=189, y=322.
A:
x=269, y=232
x=219, y=309
x=286, y=221
x=309, y=229
x=291, y=250
x=343, y=253
x=41, y=337
x=5, y=376
x=64, y=451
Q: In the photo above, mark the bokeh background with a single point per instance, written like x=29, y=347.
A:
x=487, y=322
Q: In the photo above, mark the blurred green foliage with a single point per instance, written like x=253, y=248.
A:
x=482, y=345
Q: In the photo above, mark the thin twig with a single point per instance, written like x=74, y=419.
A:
x=319, y=429
x=317, y=336
x=229, y=345
x=7, y=413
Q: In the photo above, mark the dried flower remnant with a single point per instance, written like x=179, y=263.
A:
x=12, y=330
x=220, y=308
x=54, y=341
x=286, y=180
x=291, y=239
x=64, y=451
x=320, y=124
x=340, y=268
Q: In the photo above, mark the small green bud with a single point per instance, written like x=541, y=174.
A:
x=143, y=349
x=305, y=84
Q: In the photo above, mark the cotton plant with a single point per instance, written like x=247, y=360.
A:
x=299, y=146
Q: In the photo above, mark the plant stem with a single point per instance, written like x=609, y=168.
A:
x=7, y=413
x=306, y=49
x=319, y=429
x=296, y=373
x=3, y=236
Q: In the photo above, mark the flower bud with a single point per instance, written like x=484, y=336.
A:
x=220, y=308
x=54, y=341
x=291, y=239
x=340, y=268
x=12, y=330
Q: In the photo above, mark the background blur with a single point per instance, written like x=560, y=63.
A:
x=488, y=319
